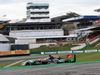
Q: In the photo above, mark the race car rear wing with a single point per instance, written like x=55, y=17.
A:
x=71, y=57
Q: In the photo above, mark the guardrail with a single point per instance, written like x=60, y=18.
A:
x=67, y=52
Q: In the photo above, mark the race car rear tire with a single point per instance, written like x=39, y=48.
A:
x=28, y=64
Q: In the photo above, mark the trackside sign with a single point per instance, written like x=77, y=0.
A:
x=71, y=52
x=78, y=51
x=59, y=52
x=88, y=51
x=2, y=53
x=49, y=52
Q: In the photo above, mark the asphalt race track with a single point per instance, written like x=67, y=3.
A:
x=32, y=56
x=71, y=69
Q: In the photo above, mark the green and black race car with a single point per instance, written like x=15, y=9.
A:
x=50, y=60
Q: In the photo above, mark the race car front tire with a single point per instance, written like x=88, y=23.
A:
x=67, y=61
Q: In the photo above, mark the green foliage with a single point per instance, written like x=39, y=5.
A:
x=3, y=64
x=18, y=64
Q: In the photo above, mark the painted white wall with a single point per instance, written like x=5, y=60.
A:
x=37, y=33
x=39, y=20
x=94, y=41
x=4, y=47
x=78, y=47
x=37, y=10
x=29, y=11
x=37, y=15
x=38, y=45
x=25, y=41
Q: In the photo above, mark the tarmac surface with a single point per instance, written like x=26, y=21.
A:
x=32, y=56
x=69, y=69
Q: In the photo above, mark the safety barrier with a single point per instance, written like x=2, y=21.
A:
x=19, y=52
x=35, y=52
x=67, y=52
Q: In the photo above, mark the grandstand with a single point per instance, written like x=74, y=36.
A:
x=59, y=29
x=70, y=29
x=88, y=27
x=83, y=21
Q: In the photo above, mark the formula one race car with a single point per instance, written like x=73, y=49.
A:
x=49, y=60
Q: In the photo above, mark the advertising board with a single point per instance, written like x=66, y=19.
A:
x=14, y=52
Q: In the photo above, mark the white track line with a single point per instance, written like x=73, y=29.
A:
x=17, y=62
x=14, y=63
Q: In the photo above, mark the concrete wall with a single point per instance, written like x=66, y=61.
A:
x=37, y=33
x=25, y=41
x=71, y=32
x=4, y=47
x=38, y=45
x=78, y=47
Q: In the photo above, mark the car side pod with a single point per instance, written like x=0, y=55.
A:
x=71, y=57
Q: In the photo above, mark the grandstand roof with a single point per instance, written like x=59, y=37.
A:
x=82, y=18
x=3, y=38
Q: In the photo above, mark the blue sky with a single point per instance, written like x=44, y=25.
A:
x=16, y=9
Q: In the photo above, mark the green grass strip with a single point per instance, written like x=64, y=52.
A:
x=48, y=65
